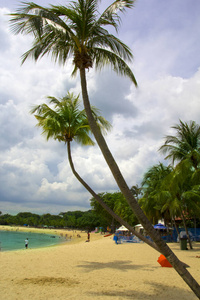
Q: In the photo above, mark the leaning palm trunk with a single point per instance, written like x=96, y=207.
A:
x=107, y=208
x=103, y=204
x=162, y=246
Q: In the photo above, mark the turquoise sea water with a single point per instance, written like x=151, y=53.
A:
x=14, y=240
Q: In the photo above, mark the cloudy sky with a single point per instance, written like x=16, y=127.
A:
x=34, y=174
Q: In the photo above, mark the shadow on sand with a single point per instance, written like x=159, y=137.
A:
x=122, y=265
x=152, y=290
x=155, y=292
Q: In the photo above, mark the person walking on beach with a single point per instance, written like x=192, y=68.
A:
x=26, y=243
x=88, y=236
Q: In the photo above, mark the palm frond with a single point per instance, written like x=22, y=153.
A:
x=185, y=143
x=102, y=123
x=105, y=57
x=110, y=15
x=109, y=41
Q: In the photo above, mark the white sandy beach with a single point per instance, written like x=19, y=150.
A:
x=99, y=269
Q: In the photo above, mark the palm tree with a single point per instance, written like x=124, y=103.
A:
x=136, y=191
x=185, y=142
x=66, y=123
x=152, y=187
x=185, y=191
x=78, y=30
x=184, y=147
x=178, y=193
x=171, y=191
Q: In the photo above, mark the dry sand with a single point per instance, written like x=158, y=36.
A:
x=99, y=269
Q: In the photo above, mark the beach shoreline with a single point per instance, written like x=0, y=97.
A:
x=72, y=236
x=98, y=269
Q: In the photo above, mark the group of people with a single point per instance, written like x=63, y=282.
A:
x=88, y=239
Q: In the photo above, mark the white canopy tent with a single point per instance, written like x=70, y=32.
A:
x=122, y=228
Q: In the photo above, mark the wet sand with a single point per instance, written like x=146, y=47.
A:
x=99, y=269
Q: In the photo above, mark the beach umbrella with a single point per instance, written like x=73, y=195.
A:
x=164, y=262
x=160, y=226
x=122, y=228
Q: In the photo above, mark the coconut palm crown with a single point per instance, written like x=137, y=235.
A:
x=66, y=122
x=77, y=31
x=185, y=143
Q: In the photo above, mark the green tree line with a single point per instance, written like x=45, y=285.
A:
x=174, y=191
x=87, y=220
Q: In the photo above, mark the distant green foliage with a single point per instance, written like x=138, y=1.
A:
x=118, y=204
x=87, y=220
x=171, y=192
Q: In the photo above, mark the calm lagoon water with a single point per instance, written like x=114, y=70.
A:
x=14, y=240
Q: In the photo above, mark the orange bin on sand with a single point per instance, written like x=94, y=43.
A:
x=164, y=262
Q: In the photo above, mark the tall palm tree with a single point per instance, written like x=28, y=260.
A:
x=178, y=193
x=154, y=176
x=184, y=147
x=65, y=123
x=78, y=30
x=185, y=191
x=152, y=183
x=185, y=142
